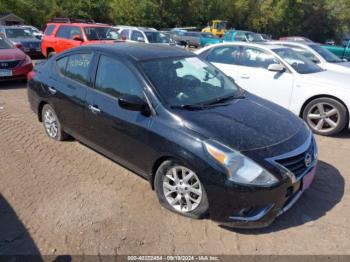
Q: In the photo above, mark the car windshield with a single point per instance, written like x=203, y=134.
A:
x=252, y=37
x=327, y=55
x=157, y=37
x=190, y=81
x=299, y=63
x=101, y=33
x=18, y=33
x=5, y=44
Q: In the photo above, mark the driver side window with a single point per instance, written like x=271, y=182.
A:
x=137, y=36
x=252, y=57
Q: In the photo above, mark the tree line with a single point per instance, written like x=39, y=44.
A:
x=317, y=19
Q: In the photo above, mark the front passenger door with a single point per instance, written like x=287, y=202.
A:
x=254, y=76
x=114, y=131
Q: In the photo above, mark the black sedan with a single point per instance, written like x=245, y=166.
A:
x=205, y=145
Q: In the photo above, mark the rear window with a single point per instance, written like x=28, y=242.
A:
x=49, y=29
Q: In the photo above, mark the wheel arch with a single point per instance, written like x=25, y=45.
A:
x=156, y=165
x=323, y=96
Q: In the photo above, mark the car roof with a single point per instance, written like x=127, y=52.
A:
x=79, y=24
x=140, y=51
x=301, y=44
x=264, y=45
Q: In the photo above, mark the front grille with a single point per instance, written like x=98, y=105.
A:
x=297, y=164
x=9, y=64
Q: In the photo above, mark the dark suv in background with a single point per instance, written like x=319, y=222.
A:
x=23, y=39
x=204, y=144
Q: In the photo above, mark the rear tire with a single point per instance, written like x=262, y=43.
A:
x=179, y=190
x=52, y=125
x=325, y=116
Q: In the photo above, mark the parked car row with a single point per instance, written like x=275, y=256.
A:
x=216, y=132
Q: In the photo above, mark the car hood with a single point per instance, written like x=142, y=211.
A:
x=326, y=78
x=343, y=67
x=244, y=124
x=11, y=54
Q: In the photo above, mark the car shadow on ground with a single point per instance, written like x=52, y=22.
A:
x=14, y=237
x=325, y=193
x=15, y=84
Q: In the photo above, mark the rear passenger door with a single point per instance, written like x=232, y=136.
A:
x=115, y=131
x=68, y=90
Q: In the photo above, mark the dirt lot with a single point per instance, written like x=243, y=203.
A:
x=64, y=198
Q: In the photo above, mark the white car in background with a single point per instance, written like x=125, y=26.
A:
x=279, y=74
x=318, y=54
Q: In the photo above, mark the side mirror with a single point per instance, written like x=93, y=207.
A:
x=140, y=39
x=345, y=60
x=77, y=38
x=276, y=68
x=132, y=103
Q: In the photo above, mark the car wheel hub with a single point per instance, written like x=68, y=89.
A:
x=182, y=189
x=50, y=122
x=323, y=117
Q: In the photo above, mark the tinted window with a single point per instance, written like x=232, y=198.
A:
x=49, y=29
x=224, y=55
x=137, y=36
x=257, y=58
x=68, y=32
x=78, y=67
x=157, y=37
x=116, y=79
x=61, y=65
x=327, y=55
x=305, y=53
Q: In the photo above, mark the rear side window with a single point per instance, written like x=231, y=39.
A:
x=252, y=57
x=78, y=67
x=49, y=29
x=116, y=79
x=225, y=55
x=61, y=65
x=125, y=34
x=68, y=32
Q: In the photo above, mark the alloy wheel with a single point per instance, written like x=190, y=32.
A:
x=323, y=117
x=182, y=189
x=51, y=124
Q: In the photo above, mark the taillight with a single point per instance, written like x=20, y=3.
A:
x=31, y=75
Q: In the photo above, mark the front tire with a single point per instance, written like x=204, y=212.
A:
x=180, y=190
x=52, y=125
x=325, y=116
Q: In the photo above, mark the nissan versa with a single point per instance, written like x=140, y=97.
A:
x=205, y=145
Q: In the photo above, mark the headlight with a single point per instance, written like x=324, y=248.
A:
x=240, y=169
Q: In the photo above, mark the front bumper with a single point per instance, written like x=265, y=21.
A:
x=257, y=207
x=19, y=72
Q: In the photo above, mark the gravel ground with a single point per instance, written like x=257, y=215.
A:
x=64, y=198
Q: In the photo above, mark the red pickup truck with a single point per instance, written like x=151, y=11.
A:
x=64, y=33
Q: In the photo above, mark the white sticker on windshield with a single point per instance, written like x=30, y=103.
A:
x=196, y=62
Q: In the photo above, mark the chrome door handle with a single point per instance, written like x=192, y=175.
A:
x=245, y=76
x=94, y=109
x=52, y=90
